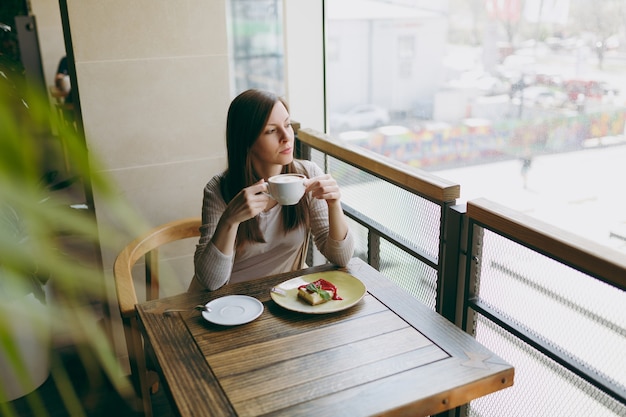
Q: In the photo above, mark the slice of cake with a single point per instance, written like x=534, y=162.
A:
x=318, y=292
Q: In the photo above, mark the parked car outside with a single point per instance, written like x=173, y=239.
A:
x=589, y=88
x=486, y=83
x=541, y=97
x=365, y=116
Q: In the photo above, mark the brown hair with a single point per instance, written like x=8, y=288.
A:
x=247, y=116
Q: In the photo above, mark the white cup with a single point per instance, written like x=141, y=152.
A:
x=286, y=189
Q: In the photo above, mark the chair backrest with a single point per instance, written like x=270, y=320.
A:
x=147, y=245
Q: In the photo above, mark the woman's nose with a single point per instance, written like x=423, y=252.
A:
x=284, y=134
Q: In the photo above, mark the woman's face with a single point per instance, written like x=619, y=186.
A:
x=274, y=147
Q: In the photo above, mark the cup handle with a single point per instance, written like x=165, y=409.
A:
x=267, y=193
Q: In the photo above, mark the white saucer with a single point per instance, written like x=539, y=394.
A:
x=231, y=310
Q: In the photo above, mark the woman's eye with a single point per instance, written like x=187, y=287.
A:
x=270, y=131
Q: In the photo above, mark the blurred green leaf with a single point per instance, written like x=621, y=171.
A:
x=34, y=214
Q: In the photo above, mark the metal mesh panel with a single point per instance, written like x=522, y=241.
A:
x=404, y=214
x=409, y=273
x=569, y=311
x=583, y=317
x=542, y=387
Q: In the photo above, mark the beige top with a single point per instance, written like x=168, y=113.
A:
x=282, y=252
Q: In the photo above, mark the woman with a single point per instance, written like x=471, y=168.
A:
x=244, y=233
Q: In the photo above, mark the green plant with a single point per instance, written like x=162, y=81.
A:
x=33, y=279
x=29, y=273
x=31, y=216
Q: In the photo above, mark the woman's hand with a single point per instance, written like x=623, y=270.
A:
x=247, y=203
x=324, y=187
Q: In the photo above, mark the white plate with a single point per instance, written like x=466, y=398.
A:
x=231, y=310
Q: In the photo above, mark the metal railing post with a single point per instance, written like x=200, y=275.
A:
x=450, y=261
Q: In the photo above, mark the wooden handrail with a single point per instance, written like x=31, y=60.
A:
x=412, y=179
x=576, y=251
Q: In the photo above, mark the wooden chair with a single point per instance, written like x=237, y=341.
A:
x=144, y=246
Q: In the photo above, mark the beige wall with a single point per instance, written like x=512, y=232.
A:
x=153, y=80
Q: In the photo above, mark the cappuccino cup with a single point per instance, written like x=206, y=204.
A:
x=286, y=189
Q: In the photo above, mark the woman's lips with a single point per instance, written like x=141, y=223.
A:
x=286, y=151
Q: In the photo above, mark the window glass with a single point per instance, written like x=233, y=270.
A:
x=256, y=39
x=521, y=102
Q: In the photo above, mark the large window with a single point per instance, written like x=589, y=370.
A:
x=518, y=101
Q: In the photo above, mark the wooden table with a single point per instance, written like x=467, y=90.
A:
x=388, y=354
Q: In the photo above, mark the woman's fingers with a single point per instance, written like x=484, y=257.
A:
x=324, y=187
x=248, y=202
